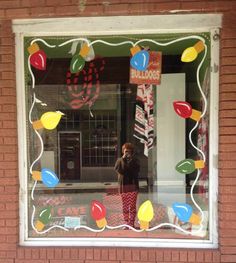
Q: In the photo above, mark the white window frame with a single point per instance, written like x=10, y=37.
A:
x=86, y=26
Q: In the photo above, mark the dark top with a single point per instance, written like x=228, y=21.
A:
x=129, y=170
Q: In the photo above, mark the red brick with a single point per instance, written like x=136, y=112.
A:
x=227, y=122
x=228, y=233
x=5, y=4
x=7, y=41
x=183, y=256
x=167, y=255
x=104, y=254
x=227, y=164
x=191, y=256
x=10, y=157
x=151, y=255
x=7, y=100
x=43, y=253
x=9, y=91
x=30, y=3
x=115, y=9
x=227, y=139
x=17, y=13
x=65, y=253
x=227, y=130
x=57, y=2
x=50, y=253
x=228, y=60
x=225, y=105
x=73, y=253
x=112, y=254
x=12, y=239
x=120, y=253
x=229, y=78
x=58, y=253
x=9, y=124
x=227, y=208
x=208, y=256
x=228, y=43
x=228, y=52
x=31, y=261
x=42, y=10
x=7, y=261
x=3, y=254
x=66, y=10
x=228, y=114
x=91, y=10
x=127, y=254
x=10, y=141
x=4, y=51
x=144, y=255
x=228, y=69
x=227, y=225
x=9, y=108
x=227, y=198
x=7, y=75
x=12, y=222
x=97, y=253
x=10, y=165
x=82, y=253
x=228, y=250
x=228, y=258
x=175, y=256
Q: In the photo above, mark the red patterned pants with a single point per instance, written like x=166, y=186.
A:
x=129, y=207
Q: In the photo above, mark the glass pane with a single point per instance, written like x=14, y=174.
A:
x=81, y=110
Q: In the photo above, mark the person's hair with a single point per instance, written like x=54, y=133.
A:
x=128, y=146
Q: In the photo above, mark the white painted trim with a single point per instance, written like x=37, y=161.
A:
x=109, y=26
x=117, y=25
x=22, y=141
x=120, y=242
x=214, y=136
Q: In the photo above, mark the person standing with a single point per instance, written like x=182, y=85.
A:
x=127, y=168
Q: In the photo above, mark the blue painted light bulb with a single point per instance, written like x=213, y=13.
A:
x=47, y=176
x=140, y=58
x=185, y=213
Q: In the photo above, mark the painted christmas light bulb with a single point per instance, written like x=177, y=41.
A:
x=38, y=58
x=47, y=176
x=191, y=53
x=188, y=166
x=78, y=60
x=140, y=58
x=145, y=214
x=48, y=120
x=44, y=218
x=184, y=212
x=184, y=110
x=98, y=213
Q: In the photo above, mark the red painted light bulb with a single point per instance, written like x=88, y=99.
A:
x=38, y=58
x=98, y=213
x=184, y=110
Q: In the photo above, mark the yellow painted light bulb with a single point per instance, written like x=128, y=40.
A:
x=145, y=214
x=191, y=53
x=49, y=120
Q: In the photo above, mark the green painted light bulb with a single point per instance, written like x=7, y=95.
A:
x=186, y=166
x=77, y=63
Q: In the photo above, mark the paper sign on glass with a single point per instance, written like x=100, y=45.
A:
x=72, y=222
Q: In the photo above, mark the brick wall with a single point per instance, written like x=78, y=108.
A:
x=10, y=252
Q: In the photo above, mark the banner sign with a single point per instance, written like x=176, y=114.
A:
x=152, y=75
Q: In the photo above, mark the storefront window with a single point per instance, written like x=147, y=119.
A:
x=87, y=96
